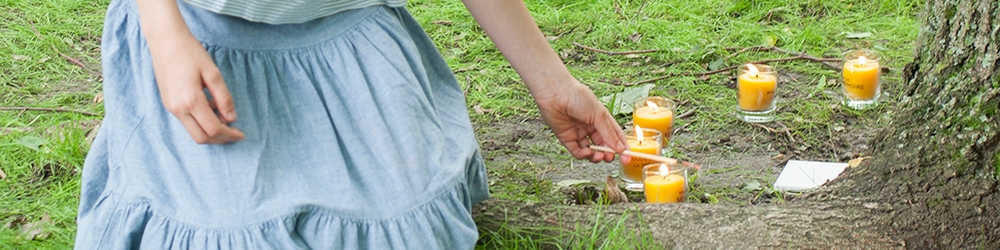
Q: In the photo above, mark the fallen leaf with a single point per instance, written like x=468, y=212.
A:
x=857, y=35
x=45, y=59
x=91, y=134
x=99, y=98
x=661, y=70
x=551, y=38
x=621, y=103
x=752, y=185
x=481, y=110
x=2, y=174
x=20, y=57
x=442, y=22
x=779, y=156
x=856, y=161
x=715, y=64
x=16, y=222
x=613, y=194
x=635, y=37
x=770, y=40
x=35, y=230
x=32, y=142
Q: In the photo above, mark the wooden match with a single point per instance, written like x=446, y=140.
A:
x=667, y=160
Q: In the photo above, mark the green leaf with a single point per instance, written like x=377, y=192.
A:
x=714, y=65
x=858, y=35
x=770, y=40
x=752, y=185
x=32, y=142
x=621, y=103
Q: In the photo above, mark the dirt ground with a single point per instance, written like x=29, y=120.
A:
x=739, y=164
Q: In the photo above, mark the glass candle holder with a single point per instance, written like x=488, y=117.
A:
x=861, y=73
x=648, y=142
x=655, y=112
x=662, y=184
x=755, y=88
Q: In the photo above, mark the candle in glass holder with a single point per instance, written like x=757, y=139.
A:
x=656, y=113
x=861, y=78
x=755, y=88
x=641, y=140
x=661, y=185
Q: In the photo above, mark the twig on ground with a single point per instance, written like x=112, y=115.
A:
x=769, y=14
x=788, y=132
x=686, y=114
x=470, y=68
x=614, y=53
x=618, y=10
x=706, y=73
x=68, y=58
x=679, y=129
x=22, y=109
x=769, y=129
x=824, y=60
x=829, y=62
x=784, y=130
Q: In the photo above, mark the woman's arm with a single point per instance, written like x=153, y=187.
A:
x=183, y=69
x=572, y=111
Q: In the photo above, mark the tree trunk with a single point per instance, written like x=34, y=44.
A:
x=932, y=182
x=939, y=156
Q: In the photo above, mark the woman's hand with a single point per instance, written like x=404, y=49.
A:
x=579, y=120
x=183, y=70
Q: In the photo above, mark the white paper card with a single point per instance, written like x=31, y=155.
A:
x=800, y=176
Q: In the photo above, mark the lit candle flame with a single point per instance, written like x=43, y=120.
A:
x=664, y=170
x=638, y=133
x=862, y=60
x=752, y=70
x=652, y=105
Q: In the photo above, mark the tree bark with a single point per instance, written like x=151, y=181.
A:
x=932, y=182
x=938, y=156
x=842, y=223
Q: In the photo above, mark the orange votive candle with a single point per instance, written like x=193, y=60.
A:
x=755, y=89
x=661, y=186
x=650, y=144
x=861, y=78
x=660, y=117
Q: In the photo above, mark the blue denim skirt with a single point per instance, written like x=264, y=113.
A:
x=357, y=137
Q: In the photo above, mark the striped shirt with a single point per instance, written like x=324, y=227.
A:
x=286, y=11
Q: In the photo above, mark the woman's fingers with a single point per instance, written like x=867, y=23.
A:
x=213, y=127
x=607, y=132
x=221, y=99
x=195, y=130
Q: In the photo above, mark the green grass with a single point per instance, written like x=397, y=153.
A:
x=690, y=36
x=45, y=181
x=606, y=232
